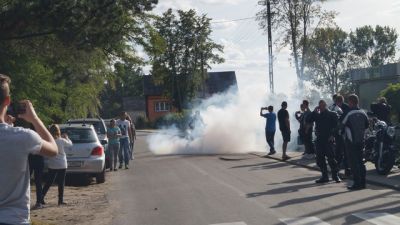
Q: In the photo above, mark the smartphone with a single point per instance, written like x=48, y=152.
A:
x=16, y=109
x=20, y=108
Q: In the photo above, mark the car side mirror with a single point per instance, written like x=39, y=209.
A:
x=104, y=142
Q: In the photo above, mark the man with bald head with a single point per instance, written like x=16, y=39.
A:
x=326, y=123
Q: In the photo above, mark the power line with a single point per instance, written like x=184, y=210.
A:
x=234, y=20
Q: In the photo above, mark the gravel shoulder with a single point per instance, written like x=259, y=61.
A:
x=87, y=204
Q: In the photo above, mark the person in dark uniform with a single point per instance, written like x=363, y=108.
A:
x=341, y=156
x=355, y=123
x=326, y=124
x=382, y=110
x=284, y=126
x=308, y=139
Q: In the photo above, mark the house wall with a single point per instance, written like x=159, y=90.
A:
x=151, y=101
x=369, y=90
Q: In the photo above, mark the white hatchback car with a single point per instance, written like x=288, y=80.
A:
x=86, y=156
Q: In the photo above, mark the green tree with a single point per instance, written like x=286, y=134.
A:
x=186, y=52
x=374, y=47
x=392, y=94
x=294, y=21
x=327, y=59
x=127, y=81
x=59, y=53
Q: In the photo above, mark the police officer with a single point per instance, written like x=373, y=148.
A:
x=326, y=123
x=355, y=123
x=341, y=157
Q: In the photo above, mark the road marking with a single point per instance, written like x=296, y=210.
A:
x=303, y=221
x=234, y=223
x=379, y=218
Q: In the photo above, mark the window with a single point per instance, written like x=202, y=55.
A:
x=79, y=136
x=162, y=107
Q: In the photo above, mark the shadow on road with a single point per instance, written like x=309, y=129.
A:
x=306, y=199
x=282, y=190
x=262, y=166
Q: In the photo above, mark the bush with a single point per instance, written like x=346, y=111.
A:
x=180, y=120
x=141, y=123
x=392, y=94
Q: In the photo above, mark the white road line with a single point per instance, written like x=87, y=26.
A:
x=379, y=218
x=303, y=221
x=234, y=223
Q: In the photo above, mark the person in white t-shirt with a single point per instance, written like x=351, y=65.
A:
x=16, y=144
x=124, y=140
x=58, y=164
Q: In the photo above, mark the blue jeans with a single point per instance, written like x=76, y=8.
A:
x=124, y=151
x=113, y=150
x=270, y=136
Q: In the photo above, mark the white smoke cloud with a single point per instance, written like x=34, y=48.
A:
x=232, y=124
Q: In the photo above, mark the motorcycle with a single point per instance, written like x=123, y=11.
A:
x=379, y=146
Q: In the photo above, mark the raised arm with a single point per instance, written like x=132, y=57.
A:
x=49, y=146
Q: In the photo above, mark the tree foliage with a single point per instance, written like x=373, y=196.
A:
x=184, y=53
x=327, y=59
x=294, y=21
x=392, y=94
x=59, y=53
x=374, y=47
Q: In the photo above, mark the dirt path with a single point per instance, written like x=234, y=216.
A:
x=87, y=204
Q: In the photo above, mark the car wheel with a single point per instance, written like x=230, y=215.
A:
x=101, y=177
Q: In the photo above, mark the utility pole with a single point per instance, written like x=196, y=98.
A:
x=271, y=57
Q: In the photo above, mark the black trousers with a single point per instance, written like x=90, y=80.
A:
x=36, y=166
x=270, y=136
x=59, y=176
x=355, y=156
x=326, y=152
x=340, y=153
x=308, y=142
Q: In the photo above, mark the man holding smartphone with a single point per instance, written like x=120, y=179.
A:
x=270, y=127
x=325, y=125
x=16, y=144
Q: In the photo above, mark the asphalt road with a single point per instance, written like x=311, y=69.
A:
x=205, y=190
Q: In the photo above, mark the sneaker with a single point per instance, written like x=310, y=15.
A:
x=62, y=204
x=38, y=206
x=322, y=180
x=285, y=157
x=115, y=169
x=272, y=153
x=120, y=166
x=126, y=167
x=309, y=156
x=336, y=178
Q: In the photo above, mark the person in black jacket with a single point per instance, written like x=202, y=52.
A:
x=382, y=110
x=355, y=123
x=340, y=153
x=326, y=124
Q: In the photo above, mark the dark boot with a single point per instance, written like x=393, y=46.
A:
x=324, y=179
x=336, y=178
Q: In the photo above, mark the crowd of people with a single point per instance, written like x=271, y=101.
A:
x=121, y=138
x=22, y=153
x=339, y=131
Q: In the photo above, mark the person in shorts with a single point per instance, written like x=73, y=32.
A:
x=284, y=126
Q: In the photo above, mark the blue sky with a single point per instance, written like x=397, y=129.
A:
x=245, y=49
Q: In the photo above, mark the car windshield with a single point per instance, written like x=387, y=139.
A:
x=79, y=136
x=98, y=125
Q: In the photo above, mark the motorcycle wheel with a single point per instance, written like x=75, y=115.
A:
x=386, y=163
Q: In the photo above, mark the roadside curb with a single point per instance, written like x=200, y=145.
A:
x=295, y=163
